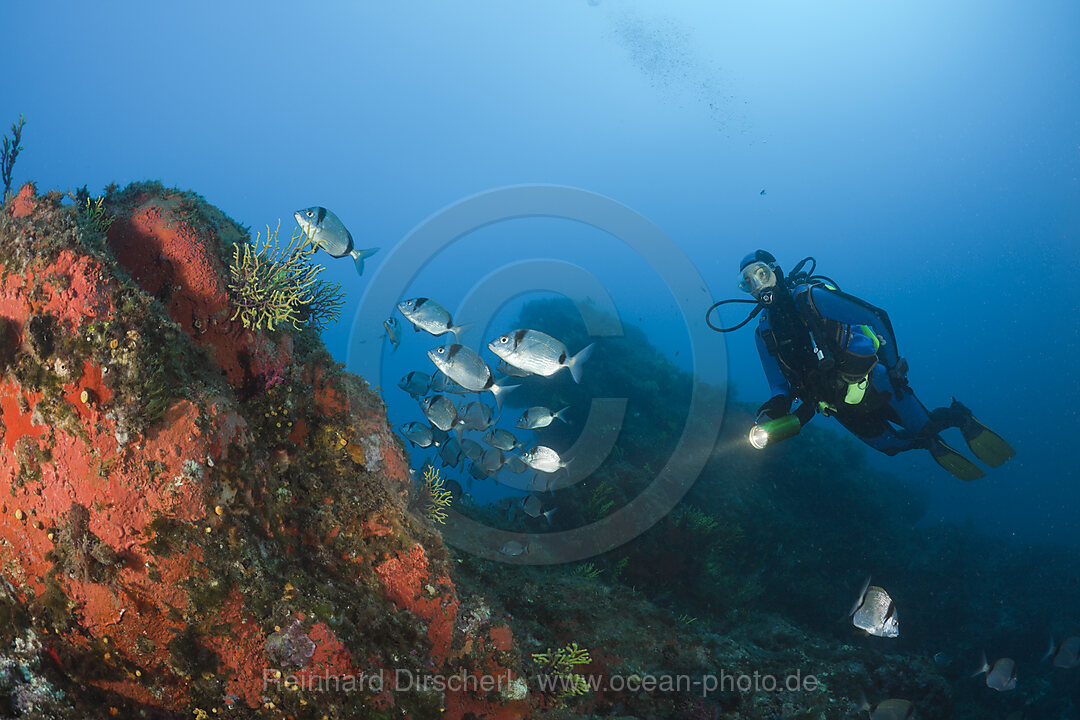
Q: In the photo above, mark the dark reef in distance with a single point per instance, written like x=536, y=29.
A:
x=199, y=519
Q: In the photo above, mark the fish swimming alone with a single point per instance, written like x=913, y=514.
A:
x=393, y=331
x=891, y=709
x=875, y=612
x=465, y=367
x=328, y=232
x=539, y=417
x=538, y=353
x=513, y=548
x=1000, y=676
x=431, y=317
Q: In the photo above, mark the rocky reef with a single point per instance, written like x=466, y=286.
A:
x=199, y=518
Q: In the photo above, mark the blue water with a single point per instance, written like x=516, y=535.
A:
x=926, y=153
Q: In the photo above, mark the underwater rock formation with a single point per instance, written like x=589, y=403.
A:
x=197, y=517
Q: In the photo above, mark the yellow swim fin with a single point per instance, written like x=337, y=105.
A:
x=987, y=445
x=954, y=463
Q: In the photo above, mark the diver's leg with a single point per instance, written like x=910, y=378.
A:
x=921, y=428
x=986, y=444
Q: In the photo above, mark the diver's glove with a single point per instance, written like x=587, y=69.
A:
x=776, y=407
x=898, y=375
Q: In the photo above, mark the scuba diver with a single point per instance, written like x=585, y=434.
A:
x=837, y=355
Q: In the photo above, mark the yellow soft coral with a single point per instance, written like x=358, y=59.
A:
x=437, y=497
x=562, y=663
x=272, y=285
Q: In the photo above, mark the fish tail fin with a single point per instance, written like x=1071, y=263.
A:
x=359, y=256
x=578, y=360
x=1049, y=651
x=559, y=415
x=548, y=514
x=498, y=391
x=984, y=666
x=458, y=329
x=864, y=704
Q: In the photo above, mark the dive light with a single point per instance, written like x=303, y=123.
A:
x=773, y=431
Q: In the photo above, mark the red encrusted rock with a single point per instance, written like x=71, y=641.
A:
x=176, y=489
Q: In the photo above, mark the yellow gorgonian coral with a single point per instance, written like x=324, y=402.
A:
x=562, y=664
x=437, y=498
x=273, y=284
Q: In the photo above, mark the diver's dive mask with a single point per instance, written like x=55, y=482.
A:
x=758, y=279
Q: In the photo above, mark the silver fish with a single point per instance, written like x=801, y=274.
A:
x=329, y=233
x=472, y=449
x=1000, y=676
x=539, y=417
x=876, y=614
x=440, y=411
x=415, y=383
x=450, y=453
x=418, y=434
x=477, y=416
x=465, y=367
x=442, y=384
x=492, y=460
x=501, y=439
x=533, y=506
x=1065, y=654
x=507, y=369
x=429, y=316
x=513, y=548
x=544, y=459
x=478, y=472
x=393, y=331
x=538, y=353
x=892, y=709
x=516, y=465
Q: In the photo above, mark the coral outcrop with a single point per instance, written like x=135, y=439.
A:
x=198, y=518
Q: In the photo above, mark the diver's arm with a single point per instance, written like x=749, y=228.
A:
x=778, y=384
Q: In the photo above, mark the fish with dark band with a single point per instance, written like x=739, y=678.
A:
x=415, y=383
x=477, y=416
x=429, y=316
x=539, y=417
x=440, y=411
x=442, y=384
x=492, y=460
x=1065, y=654
x=393, y=331
x=513, y=548
x=328, y=232
x=875, y=613
x=544, y=459
x=418, y=434
x=472, y=449
x=891, y=709
x=450, y=453
x=502, y=439
x=538, y=353
x=507, y=369
x=1000, y=676
x=465, y=367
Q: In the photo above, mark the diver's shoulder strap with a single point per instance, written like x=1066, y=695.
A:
x=820, y=302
